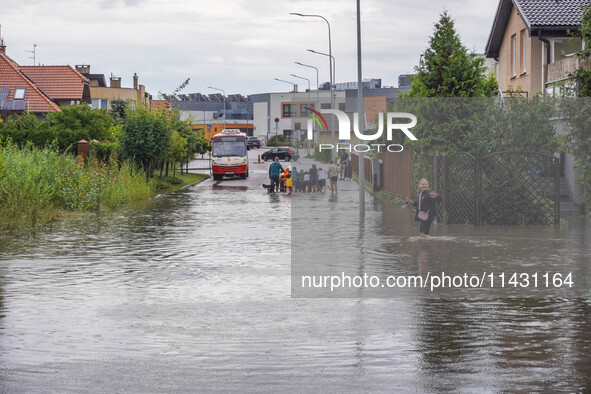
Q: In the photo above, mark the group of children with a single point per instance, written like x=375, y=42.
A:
x=311, y=181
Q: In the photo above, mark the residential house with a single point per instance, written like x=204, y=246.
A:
x=39, y=89
x=62, y=84
x=17, y=92
x=532, y=43
x=102, y=95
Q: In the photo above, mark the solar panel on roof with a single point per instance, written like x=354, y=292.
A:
x=6, y=105
x=18, y=105
x=3, y=93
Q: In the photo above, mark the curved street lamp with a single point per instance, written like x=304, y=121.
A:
x=224, y=97
x=295, y=76
x=334, y=153
x=333, y=64
x=295, y=89
x=307, y=111
x=317, y=100
x=330, y=69
x=295, y=86
x=330, y=65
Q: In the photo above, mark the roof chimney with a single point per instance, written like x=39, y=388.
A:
x=83, y=68
x=135, y=81
x=115, y=82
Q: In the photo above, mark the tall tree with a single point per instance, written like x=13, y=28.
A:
x=144, y=138
x=447, y=69
x=119, y=106
x=177, y=150
x=446, y=77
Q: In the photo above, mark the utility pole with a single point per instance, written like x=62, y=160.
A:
x=360, y=116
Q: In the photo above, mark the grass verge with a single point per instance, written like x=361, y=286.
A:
x=189, y=179
x=38, y=186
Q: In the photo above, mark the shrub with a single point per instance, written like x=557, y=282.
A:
x=278, y=140
x=103, y=150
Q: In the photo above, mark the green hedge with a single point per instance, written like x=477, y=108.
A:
x=278, y=140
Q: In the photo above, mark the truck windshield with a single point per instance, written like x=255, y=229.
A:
x=228, y=146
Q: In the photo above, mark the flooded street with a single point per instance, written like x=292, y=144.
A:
x=192, y=291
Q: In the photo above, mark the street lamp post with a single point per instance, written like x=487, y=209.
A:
x=333, y=63
x=330, y=59
x=295, y=90
x=332, y=73
x=224, y=97
x=329, y=41
x=295, y=86
x=317, y=100
x=296, y=76
x=360, y=117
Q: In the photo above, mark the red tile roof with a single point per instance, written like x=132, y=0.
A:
x=12, y=78
x=156, y=105
x=57, y=82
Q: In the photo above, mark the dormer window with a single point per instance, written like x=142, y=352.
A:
x=19, y=93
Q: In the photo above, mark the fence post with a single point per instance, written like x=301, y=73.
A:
x=477, y=192
x=556, y=162
x=445, y=185
x=83, y=150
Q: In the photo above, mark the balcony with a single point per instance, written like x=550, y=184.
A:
x=561, y=69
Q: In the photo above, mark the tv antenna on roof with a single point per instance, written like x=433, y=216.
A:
x=1, y=39
x=33, y=52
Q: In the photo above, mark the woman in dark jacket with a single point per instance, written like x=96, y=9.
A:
x=427, y=203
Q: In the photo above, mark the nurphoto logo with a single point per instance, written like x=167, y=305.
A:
x=345, y=130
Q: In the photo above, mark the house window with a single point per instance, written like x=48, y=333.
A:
x=304, y=109
x=287, y=134
x=523, y=50
x=19, y=93
x=100, y=103
x=563, y=48
x=514, y=55
x=289, y=110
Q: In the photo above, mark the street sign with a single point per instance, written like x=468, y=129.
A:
x=208, y=127
x=276, y=120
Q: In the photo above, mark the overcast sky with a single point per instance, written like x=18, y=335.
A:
x=235, y=45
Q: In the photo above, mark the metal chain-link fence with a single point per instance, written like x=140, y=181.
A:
x=519, y=188
x=496, y=189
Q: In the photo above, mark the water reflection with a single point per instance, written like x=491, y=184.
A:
x=501, y=340
x=191, y=291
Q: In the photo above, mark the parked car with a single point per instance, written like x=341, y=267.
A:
x=286, y=153
x=253, y=142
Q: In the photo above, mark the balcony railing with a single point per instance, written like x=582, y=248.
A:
x=561, y=70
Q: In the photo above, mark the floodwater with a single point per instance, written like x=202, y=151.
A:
x=192, y=292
